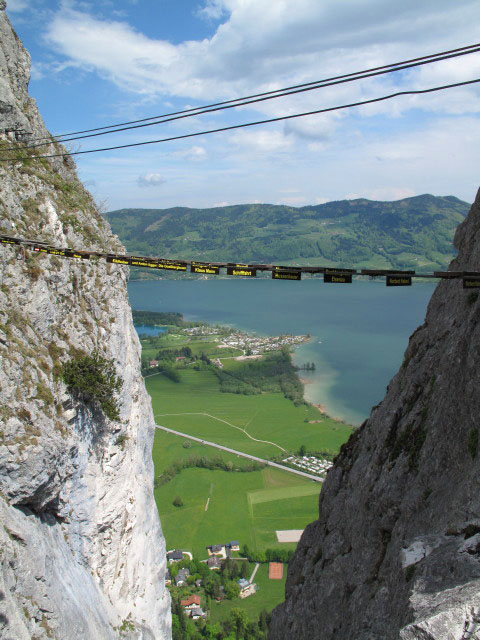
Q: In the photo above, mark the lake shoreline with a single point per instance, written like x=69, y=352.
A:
x=359, y=331
x=299, y=340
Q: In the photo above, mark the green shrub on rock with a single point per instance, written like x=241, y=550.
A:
x=92, y=379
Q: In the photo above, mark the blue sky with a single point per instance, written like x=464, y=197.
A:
x=98, y=63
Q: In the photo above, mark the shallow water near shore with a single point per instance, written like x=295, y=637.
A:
x=359, y=331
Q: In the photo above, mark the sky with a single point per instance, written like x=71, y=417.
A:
x=110, y=61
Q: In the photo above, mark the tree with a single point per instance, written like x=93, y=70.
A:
x=263, y=621
x=171, y=373
x=202, y=569
x=244, y=569
x=211, y=584
x=302, y=451
x=239, y=619
x=178, y=502
x=226, y=569
x=232, y=589
x=93, y=379
x=212, y=631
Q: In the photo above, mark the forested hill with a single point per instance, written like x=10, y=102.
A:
x=413, y=232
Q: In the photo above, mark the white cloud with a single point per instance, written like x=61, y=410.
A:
x=195, y=153
x=317, y=128
x=17, y=5
x=262, y=140
x=408, y=145
x=150, y=180
x=213, y=10
x=383, y=193
x=292, y=41
x=293, y=201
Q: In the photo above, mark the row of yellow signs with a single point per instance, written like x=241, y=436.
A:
x=471, y=280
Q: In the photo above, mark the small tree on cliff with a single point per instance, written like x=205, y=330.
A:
x=92, y=379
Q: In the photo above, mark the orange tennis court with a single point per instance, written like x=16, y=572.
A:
x=275, y=571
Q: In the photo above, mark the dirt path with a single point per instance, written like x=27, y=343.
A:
x=252, y=577
x=225, y=422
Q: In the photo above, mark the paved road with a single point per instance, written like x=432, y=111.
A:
x=244, y=455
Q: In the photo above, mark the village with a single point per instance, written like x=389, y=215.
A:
x=223, y=575
x=256, y=345
x=251, y=344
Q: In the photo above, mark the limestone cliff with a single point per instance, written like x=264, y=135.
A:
x=81, y=549
x=395, y=552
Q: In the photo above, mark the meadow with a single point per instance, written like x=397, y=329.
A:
x=196, y=406
x=198, y=345
x=219, y=506
x=248, y=507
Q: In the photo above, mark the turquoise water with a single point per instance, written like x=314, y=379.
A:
x=149, y=331
x=359, y=331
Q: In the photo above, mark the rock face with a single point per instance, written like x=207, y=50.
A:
x=81, y=549
x=395, y=552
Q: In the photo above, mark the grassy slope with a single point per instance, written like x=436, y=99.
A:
x=248, y=507
x=169, y=341
x=265, y=417
x=233, y=513
x=413, y=232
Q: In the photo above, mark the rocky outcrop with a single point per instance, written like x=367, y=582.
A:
x=81, y=548
x=395, y=552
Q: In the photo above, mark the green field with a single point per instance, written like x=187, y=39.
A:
x=245, y=506
x=267, y=417
x=167, y=342
x=248, y=507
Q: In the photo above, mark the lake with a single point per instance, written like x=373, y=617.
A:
x=145, y=330
x=359, y=331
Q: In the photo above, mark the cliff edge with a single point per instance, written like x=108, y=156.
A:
x=81, y=549
x=395, y=552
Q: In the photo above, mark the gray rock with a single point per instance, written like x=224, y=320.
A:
x=81, y=547
x=395, y=550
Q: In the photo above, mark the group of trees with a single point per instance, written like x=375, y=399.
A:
x=274, y=373
x=168, y=366
x=308, y=366
x=236, y=627
x=269, y=555
x=171, y=354
x=202, y=462
x=157, y=318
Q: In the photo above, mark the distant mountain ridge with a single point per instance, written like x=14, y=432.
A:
x=411, y=233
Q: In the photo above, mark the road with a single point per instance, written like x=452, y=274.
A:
x=243, y=455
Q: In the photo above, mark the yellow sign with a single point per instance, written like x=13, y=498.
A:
x=398, y=281
x=245, y=271
x=200, y=267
